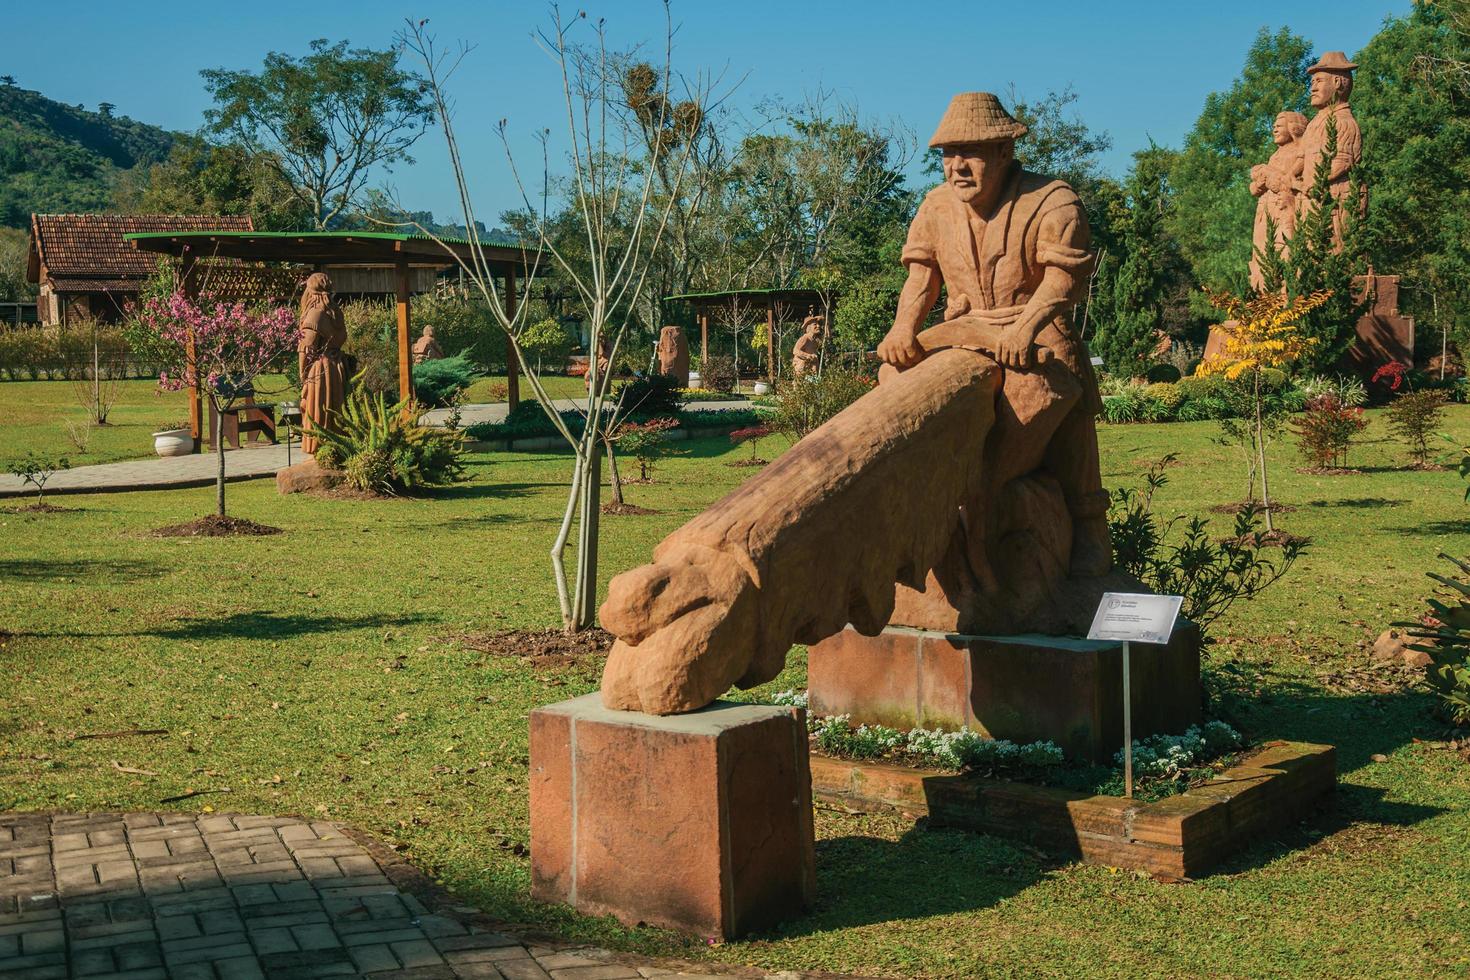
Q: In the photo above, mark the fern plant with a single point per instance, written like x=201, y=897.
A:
x=382, y=448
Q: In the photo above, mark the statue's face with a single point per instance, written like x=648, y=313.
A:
x=1326, y=88
x=1279, y=132
x=970, y=168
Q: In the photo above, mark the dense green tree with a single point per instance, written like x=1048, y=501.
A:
x=202, y=178
x=14, y=244
x=1138, y=290
x=1412, y=101
x=1213, y=211
x=324, y=121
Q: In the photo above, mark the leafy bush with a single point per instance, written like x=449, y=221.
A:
x=528, y=422
x=36, y=470
x=372, y=343
x=382, y=448
x=647, y=442
x=1414, y=416
x=803, y=404
x=964, y=749
x=546, y=342
x=1444, y=634
x=442, y=380
x=1163, y=374
x=1166, y=396
x=1350, y=391
x=717, y=373
x=1326, y=429
x=1210, y=575
x=652, y=396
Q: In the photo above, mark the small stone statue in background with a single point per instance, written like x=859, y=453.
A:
x=807, y=354
x=426, y=348
x=1274, y=184
x=320, y=359
x=673, y=354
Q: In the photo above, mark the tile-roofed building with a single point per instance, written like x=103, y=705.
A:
x=85, y=268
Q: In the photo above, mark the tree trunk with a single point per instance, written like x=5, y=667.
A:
x=219, y=451
x=584, y=598
x=96, y=381
x=614, y=479
x=1261, y=455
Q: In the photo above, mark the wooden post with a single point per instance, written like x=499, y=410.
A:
x=771, y=340
x=405, y=366
x=703, y=341
x=189, y=284
x=512, y=368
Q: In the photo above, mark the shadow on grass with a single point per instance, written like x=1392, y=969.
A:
x=1359, y=502
x=486, y=491
x=258, y=625
x=114, y=571
x=1432, y=527
x=864, y=880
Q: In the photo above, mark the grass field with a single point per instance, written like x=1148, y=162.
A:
x=317, y=672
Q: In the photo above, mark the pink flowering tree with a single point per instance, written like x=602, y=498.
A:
x=218, y=348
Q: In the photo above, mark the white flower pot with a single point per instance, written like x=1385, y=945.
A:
x=173, y=442
x=762, y=388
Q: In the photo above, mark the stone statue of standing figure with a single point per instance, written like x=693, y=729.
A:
x=1332, y=84
x=1274, y=184
x=807, y=353
x=673, y=354
x=320, y=360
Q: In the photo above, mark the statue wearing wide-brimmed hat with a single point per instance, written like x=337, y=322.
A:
x=1332, y=84
x=1012, y=250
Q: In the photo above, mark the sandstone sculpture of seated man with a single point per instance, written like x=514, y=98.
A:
x=961, y=494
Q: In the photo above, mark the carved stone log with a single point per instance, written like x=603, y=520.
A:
x=814, y=542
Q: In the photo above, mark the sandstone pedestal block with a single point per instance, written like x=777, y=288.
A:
x=305, y=477
x=1022, y=688
x=699, y=822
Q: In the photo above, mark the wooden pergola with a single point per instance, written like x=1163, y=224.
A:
x=769, y=299
x=398, y=251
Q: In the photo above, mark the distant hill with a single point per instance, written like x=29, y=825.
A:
x=61, y=158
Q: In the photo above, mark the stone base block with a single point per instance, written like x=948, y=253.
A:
x=1022, y=688
x=699, y=822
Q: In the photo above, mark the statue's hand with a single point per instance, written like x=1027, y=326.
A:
x=900, y=348
x=1014, y=350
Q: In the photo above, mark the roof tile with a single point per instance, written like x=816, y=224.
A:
x=91, y=246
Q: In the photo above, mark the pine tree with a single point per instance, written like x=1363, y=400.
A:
x=1138, y=287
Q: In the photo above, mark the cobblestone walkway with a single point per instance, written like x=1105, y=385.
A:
x=198, y=470
x=218, y=897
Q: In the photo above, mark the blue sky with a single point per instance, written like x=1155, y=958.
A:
x=1142, y=70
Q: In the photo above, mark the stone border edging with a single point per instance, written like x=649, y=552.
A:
x=1176, y=838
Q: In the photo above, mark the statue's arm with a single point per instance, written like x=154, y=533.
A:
x=1062, y=247
x=1349, y=149
x=919, y=294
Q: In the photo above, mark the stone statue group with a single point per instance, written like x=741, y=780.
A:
x=1282, y=183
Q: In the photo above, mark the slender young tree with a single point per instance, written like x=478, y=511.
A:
x=620, y=157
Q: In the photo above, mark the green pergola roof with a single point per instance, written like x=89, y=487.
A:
x=328, y=247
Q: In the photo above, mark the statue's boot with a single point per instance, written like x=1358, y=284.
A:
x=813, y=542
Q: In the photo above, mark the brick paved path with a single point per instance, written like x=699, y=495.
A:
x=217, y=897
x=198, y=470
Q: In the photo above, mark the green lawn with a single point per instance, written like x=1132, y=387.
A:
x=316, y=672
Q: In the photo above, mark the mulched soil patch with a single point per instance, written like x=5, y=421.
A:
x=1238, y=506
x=611, y=508
x=41, y=507
x=1329, y=471
x=215, y=526
x=541, y=648
x=343, y=492
x=749, y=462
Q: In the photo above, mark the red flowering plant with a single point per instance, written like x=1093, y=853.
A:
x=1391, y=374
x=217, y=348
x=1326, y=430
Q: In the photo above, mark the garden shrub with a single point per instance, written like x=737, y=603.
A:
x=717, y=373
x=382, y=448
x=1444, y=634
x=372, y=343
x=528, y=421
x=1211, y=575
x=1326, y=429
x=804, y=403
x=651, y=396
x=1163, y=373
x=1167, y=396
x=1415, y=416
x=546, y=342
x=647, y=442
x=439, y=382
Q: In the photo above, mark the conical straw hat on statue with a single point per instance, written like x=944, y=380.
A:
x=976, y=117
